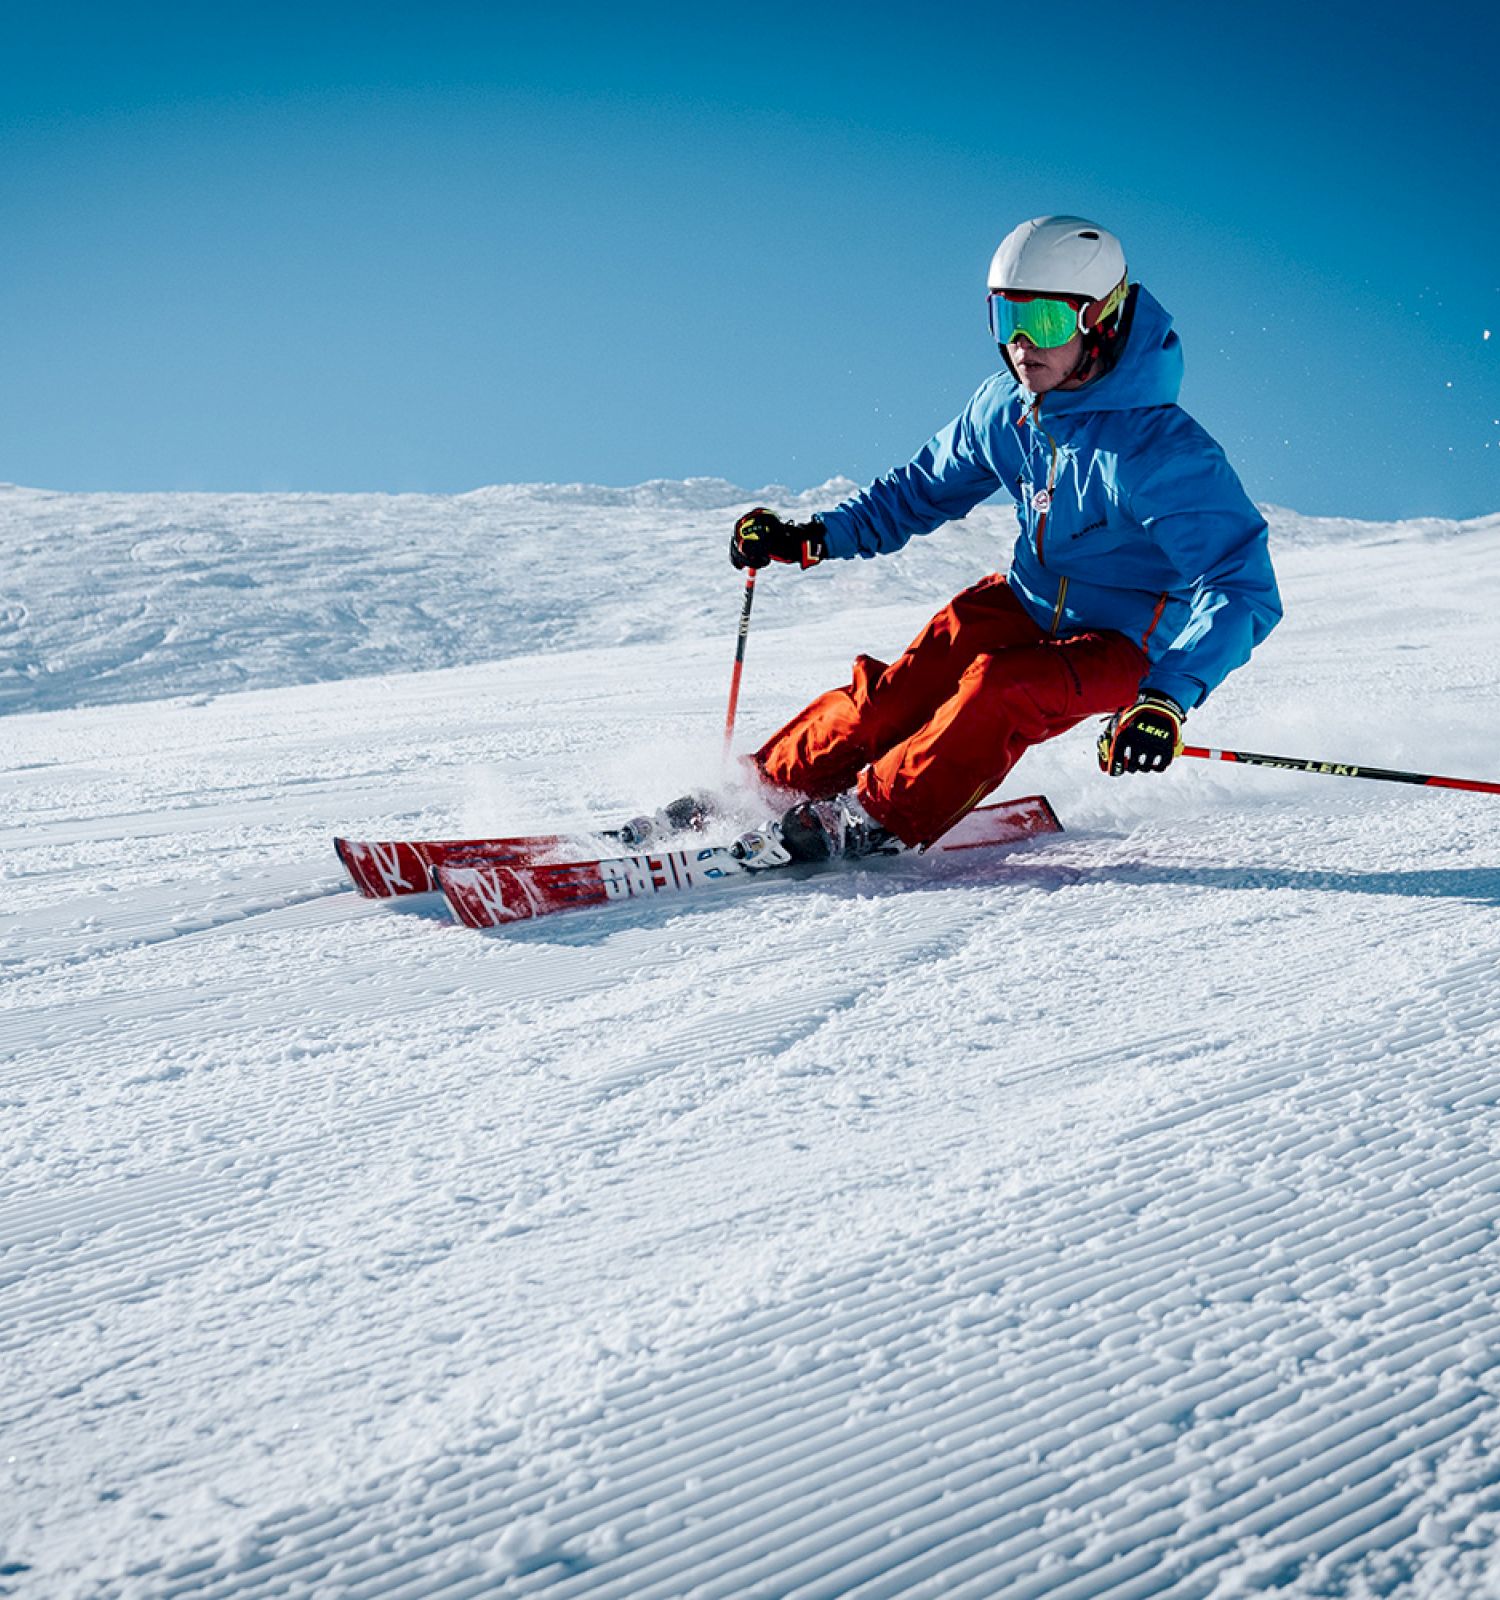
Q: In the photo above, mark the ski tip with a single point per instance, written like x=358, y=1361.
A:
x=344, y=850
x=381, y=870
x=1034, y=811
x=453, y=895
x=1004, y=822
x=486, y=895
x=1039, y=812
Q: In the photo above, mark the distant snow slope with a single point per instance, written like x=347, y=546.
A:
x=1112, y=1217
x=109, y=598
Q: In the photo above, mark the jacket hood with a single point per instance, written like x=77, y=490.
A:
x=1148, y=372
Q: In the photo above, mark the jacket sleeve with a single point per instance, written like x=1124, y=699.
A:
x=1199, y=517
x=946, y=479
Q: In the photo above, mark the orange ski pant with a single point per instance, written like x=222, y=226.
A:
x=925, y=739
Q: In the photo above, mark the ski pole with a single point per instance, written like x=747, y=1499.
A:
x=1337, y=769
x=739, y=661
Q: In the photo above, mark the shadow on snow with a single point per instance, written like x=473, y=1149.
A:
x=1024, y=870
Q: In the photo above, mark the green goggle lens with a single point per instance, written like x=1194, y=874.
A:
x=1047, y=323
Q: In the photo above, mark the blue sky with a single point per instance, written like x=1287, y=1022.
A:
x=391, y=247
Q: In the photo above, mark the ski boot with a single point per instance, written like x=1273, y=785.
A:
x=691, y=814
x=817, y=830
x=840, y=828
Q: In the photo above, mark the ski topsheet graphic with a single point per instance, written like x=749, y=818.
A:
x=491, y=893
x=383, y=868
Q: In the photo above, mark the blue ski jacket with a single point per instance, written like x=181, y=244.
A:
x=1131, y=518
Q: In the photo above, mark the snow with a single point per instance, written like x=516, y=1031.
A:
x=1112, y=1217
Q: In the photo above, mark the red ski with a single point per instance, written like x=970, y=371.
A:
x=380, y=869
x=491, y=893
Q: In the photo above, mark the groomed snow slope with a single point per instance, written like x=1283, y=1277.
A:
x=1113, y=1217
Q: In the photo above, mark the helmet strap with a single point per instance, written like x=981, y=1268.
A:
x=1079, y=372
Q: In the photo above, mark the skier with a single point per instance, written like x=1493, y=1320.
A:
x=1140, y=579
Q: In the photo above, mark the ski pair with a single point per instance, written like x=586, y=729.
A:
x=383, y=868
x=490, y=883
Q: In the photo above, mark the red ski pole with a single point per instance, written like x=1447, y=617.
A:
x=1337, y=769
x=739, y=661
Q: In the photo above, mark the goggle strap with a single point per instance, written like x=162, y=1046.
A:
x=1102, y=310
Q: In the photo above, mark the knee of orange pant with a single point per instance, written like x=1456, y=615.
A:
x=868, y=671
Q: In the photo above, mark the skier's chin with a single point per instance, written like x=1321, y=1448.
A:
x=1036, y=380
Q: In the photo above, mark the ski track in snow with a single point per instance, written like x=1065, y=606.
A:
x=1113, y=1216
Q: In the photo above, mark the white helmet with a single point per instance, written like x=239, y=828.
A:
x=1059, y=255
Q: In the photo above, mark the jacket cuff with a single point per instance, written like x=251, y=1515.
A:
x=839, y=543
x=1187, y=692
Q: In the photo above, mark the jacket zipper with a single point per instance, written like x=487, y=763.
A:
x=1041, y=521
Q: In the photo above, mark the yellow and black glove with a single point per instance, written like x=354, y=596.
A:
x=1143, y=737
x=761, y=537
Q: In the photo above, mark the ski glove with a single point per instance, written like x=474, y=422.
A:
x=761, y=537
x=1143, y=737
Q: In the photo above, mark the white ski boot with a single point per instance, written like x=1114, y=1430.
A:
x=761, y=848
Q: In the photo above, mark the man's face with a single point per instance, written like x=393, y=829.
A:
x=1041, y=370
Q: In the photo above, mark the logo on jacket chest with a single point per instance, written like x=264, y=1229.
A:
x=1041, y=503
x=1087, y=478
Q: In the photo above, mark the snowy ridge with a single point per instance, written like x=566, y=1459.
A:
x=111, y=598
x=1291, y=529
x=659, y=494
x=1116, y=1216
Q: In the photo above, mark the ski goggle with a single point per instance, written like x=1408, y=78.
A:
x=1047, y=320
